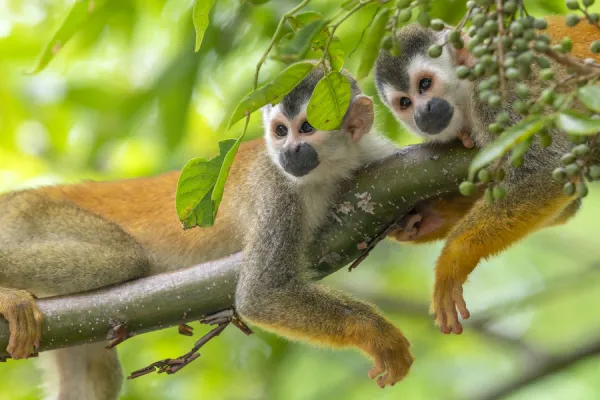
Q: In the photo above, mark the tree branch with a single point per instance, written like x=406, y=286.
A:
x=381, y=193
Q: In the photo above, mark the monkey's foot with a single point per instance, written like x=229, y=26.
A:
x=410, y=229
x=394, y=363
x=466, y=140
x=24, y=318
x=447, y=302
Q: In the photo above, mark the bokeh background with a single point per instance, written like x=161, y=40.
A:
x=128, y=97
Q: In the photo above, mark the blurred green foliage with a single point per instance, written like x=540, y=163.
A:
x=127, y=96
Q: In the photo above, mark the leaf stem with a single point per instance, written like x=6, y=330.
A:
x=275, y=37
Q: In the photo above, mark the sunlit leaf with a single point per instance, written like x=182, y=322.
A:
x=329, y=102
x=296, y=48
x=506, y=141
x=575, y=123
x=372, y=43
x=200, y=18
x=79, y=14
x=272, y=92
x=201, y=184
x=590, y=96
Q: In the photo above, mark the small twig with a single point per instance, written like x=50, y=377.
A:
x=588, y=17
x=575, y=63
x=362, y=34
x=337, y=24
x=399, y=223
x=275, y=37
x=171, y=365
x=186, y=330
x=117, y=333
x=501, y=33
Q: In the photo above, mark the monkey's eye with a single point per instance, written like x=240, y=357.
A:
x=306, y=128
x=424, y=85
x=405, y=103
x=281, y=131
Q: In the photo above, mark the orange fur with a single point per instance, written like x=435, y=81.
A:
x=160, y=230
x=582, y=35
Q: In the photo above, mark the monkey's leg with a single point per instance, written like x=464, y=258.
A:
x=52, y=247
x=315, y=314
x=82, y=372
x=438, y=217
x=485, y=231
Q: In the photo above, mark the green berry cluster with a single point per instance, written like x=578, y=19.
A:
x=403, y=14
x=578, y=166
x=494, y=190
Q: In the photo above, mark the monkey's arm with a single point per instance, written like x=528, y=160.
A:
x=486, y=230
x=274, y=292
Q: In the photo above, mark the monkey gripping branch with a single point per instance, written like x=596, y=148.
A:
x=380, y=194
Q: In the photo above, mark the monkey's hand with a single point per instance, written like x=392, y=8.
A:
x=392, y=360
x=466, y=140
x=24, y=318
x=447, y=300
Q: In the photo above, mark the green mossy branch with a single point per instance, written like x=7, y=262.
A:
x=381, y=193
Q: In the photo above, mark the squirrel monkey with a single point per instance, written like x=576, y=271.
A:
x=64, y=239
x=302, y=169
x=426, y=96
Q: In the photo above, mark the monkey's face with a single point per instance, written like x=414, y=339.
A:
x=422, y=92
x=294, y=141
x=307, y=154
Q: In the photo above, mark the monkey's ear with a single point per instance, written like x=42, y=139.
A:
x=461, y=56
x=359, y=118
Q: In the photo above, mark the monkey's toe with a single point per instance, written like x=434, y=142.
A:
x=447, y=302
x=394, y=363
x=24, y=318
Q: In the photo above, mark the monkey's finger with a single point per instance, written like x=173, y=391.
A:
x=461, y=305
x=22, y=335
x=444, y=322
x=466, y=140
x=38, y=321
x=378, y=368
x=453, y=323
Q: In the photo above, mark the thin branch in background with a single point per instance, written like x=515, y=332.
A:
x=405, y=223
x=541, y=370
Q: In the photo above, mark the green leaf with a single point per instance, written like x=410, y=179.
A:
x=296, y=48
x=80, y=13
x=514, y=135
x=272, y=92
x=200, y=18
x=575, y=123
x=329, y=102
x=299, y=20
x=336, y=54
x=590, y=96
x=201, y=184
x=372, y=43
